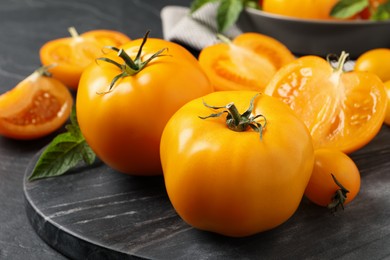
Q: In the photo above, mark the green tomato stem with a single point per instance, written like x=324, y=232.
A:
x=239, y=122
x=130, y=67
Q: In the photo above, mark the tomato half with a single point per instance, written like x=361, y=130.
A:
x=307, y=9
x=232, y=182
x=36, y=107
x=246, y=63
x=343, y=110
x=123, y=125
x=323, y=189
x=73, y=54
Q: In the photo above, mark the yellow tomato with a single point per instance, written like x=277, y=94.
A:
x=308, y=9
x=232, y=182
x=122, y=117
x=376, y=61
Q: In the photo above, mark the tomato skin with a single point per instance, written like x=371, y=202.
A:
x=306, y=9
x=235, y=183
x=246, y=63
x=322, y=187
x=35, y=107
x=73, y=54
x=376, y=61
x=387, y=116
x=124, y=126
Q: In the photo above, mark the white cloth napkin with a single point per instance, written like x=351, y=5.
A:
x=194, y=31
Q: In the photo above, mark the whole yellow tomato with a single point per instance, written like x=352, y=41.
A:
x=376, y=61
x=308, y=9
x=232, y=174
x=125, y=99
x=335, y=180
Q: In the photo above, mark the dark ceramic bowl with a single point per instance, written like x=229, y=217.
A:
x=318, y=37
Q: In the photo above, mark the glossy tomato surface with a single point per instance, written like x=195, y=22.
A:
x=376, y=61
x=236, y=183
x=36, y=107
x=124, y=125
x=387, y=116
x=72, y=55
x=342, y=110
x=307, y=9
x=322, y=188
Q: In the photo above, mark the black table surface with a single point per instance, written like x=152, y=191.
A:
x=361, y=231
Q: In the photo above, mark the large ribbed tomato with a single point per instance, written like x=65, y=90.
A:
x=233, y=174
x=125, y=99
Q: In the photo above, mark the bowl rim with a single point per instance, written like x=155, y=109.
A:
x=259, y=12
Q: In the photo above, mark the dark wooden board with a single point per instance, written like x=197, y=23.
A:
x=98, y=213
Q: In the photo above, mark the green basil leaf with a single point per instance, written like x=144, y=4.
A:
x=64, y=152
x=382, y=13
x=196, y=4
x=228, y=13
x=348, y=8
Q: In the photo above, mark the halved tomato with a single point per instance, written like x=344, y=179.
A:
x=73, y=54
x=246, y=63
x=36, y=107
x=342, y=110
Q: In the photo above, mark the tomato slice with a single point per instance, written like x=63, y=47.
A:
x=246, y=63
x=342, y=110
x=36, y=107
x=73, y=54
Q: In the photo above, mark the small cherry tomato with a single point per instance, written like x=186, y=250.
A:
x=246, y=63
x=35, y=107
x=125, y=99
x=241, y=170
x=335, y=180
x=376, y=61
x=73, y=54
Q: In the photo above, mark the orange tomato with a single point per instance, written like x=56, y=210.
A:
x=246, y=63
x=307, y=9
x=387, y=117
x=35, y=107
x=343, y=110
x=73, y=54
x=322, y=189
x=224, y=176
x=122, y=117
x=376, y=61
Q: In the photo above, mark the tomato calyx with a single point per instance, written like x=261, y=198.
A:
x=338, y=197
x=239, y=122
x=130, y=67
x=44, y=70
